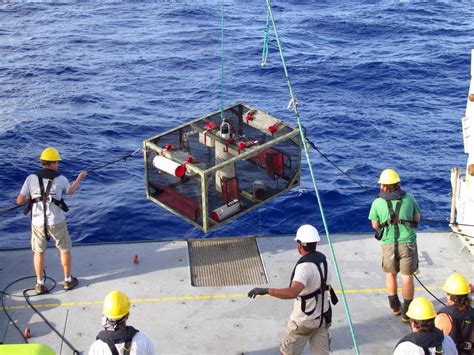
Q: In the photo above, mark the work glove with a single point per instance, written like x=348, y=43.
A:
x=257, y=291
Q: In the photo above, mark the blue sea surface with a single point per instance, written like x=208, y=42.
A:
x=379, y=84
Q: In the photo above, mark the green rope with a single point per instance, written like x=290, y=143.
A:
x=306, y=150
x=222, y=59
x=265, y=41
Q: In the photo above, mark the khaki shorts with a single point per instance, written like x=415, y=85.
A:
x=406, y=262
x=57, y=232
x=296, y=336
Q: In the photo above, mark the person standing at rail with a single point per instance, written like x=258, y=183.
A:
x=43, y=192
x=395, y=215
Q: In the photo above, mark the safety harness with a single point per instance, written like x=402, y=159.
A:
x=394, y=214
x=44, y=197
x=462, y=328
x=431, y=339
x=317, y=258
x=121, y=335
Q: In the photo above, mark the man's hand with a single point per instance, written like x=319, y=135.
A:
x=257, y=291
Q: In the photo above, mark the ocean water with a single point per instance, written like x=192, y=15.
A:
x=380, y=84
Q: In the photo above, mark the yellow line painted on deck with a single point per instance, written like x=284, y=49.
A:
x=191, y=298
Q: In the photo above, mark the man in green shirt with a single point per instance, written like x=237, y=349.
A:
x=395, y=216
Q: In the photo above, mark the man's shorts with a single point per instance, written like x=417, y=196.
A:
x=296, y=336
x=405, y=262
x=57, y=232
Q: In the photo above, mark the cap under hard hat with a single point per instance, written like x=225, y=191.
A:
x=421, y=308
x=456, y=285
x=389, y=177
x=116, y=305
x=307, y=234
x=50, y=154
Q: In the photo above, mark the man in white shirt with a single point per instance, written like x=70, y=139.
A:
x=425, y=338
x=118, y=338
x=309, y=286
x=44, y=193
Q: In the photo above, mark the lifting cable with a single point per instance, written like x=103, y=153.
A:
x=27, y=299
x=222, y=60
x=306, y=149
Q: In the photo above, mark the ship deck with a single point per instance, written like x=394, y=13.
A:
x=183, y=319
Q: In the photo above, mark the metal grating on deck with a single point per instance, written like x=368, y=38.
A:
x=226, y=262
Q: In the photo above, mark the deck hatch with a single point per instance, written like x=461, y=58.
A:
x=225, y=262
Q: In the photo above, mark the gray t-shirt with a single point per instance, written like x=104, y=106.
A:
x=59, y=188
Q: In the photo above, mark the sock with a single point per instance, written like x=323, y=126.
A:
x=68, y=279
x=40, y=282
x=406, y=304
x=394, y=302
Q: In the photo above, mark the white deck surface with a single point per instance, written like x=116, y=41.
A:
x=181, y=319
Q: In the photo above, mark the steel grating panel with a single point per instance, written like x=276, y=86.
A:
x=226, y=262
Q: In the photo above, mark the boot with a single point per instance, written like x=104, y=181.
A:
x=406, y=304
x=394, y=304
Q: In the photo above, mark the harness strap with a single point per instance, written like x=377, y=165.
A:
x=127, y=347
x=44, y=197
x=394, y=220
x=315, y=294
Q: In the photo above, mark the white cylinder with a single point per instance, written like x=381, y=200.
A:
x=227, y=171
x=226, y=211
x=168, y=166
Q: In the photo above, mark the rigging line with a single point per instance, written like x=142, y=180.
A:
x=305, y=145
x=222, y=59
x=462, y=234
x=124, y=158
x=426, y=289
x=332, y=163
x=265, y=41
x=6, y=210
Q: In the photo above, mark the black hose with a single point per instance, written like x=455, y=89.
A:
x=27, y=299
x=436, y=298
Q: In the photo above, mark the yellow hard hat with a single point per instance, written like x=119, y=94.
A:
x=456, y=284
x=421, y=308
x=50, y=154
x=116, y=305
x=389, y=177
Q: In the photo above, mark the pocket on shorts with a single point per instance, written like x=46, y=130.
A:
x=411, y=249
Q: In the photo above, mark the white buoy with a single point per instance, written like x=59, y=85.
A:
x=169, y=166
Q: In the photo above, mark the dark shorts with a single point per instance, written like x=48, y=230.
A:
x=405, y=262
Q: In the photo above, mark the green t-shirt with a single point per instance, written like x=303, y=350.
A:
x=379, y=212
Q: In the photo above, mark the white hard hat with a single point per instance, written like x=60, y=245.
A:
x=307, y=234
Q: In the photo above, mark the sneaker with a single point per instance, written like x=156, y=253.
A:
x=41, y=289
x=405, y=318
x=69, y=285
